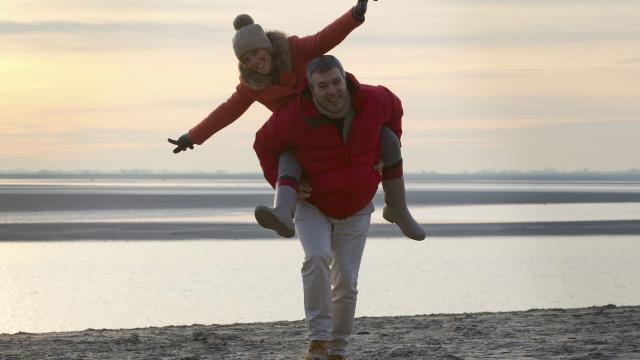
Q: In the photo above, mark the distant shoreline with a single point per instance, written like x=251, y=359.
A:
x=602, y=332
x=631, y=175
x=237, y=231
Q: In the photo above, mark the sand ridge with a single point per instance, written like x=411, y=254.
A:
x=604, y=332
x=236, y=231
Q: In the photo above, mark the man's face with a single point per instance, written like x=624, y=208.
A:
x=329, y=90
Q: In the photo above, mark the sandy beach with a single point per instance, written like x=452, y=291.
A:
x=605, y=332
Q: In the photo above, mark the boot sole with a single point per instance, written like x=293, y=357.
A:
x=268, y=220
x=393, y=221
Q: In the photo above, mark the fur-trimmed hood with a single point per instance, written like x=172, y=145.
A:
x=281, y=60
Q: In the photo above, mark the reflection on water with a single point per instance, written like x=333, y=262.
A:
x=502, y=213
x=219, y=215
x=86, y=183
x=74, y=286
x=258, y=183
x=560, y=186
x=134, y=186
x=510, y=213
x=248, y=185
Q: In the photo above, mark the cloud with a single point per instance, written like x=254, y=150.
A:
x=70, y=36
x=67, y=27
x=135, y=6
x=630, y=61
x=524, y=107
x=498, y=37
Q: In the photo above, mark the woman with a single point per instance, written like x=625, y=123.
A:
x=272, y=70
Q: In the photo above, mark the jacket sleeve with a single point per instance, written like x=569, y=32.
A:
x=393, y=112
x=271, y=139
x=226, y=113
x=326, y=39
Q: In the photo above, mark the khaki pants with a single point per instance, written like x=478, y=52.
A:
x=333, y=250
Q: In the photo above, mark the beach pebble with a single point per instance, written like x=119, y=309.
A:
x=131, y=339
x=402, y=351
x=199, y=335
x=450, y=357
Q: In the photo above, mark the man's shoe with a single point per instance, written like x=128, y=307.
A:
x=336, y=357
x=317, y=350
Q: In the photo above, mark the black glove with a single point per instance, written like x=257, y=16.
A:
x=182, y=143
x=358, y=11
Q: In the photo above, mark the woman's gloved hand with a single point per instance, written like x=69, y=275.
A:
x=360, y=9
x=182, y=143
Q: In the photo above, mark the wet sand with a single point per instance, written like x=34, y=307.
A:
x=605, y=332
x=237, y=231
x=47, y=199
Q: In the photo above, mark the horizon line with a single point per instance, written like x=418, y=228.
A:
x=548, y=171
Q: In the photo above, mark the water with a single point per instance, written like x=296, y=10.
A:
x=143, y=200
x=62, y=286
x=425, y=214
x=73, y=286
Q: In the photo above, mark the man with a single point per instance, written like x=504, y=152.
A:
x=334, y=130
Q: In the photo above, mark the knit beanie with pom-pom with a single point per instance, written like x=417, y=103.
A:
x=249, y=36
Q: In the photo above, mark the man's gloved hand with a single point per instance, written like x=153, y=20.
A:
x=304, y=191
x=379, y=166
x=359, y=10
x=182, y=143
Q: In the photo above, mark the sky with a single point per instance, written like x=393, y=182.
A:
x=485, y=84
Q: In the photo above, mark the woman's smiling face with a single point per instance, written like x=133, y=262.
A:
x=258, y=60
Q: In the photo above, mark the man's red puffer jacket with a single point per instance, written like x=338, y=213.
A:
x=341, y=174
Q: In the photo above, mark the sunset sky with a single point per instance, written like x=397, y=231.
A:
x=495, y=84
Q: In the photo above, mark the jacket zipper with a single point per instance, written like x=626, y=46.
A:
x=347, y=161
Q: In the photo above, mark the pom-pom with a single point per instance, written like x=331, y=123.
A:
x=242, y=20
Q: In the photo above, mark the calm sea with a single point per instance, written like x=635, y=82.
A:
x=74, y=285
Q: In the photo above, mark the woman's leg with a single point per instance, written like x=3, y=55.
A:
x=279, y=218
x=395, y=209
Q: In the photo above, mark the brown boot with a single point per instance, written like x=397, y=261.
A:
x=396, y=211
x=336, y=357
x=317, y=350
x=280, y=217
